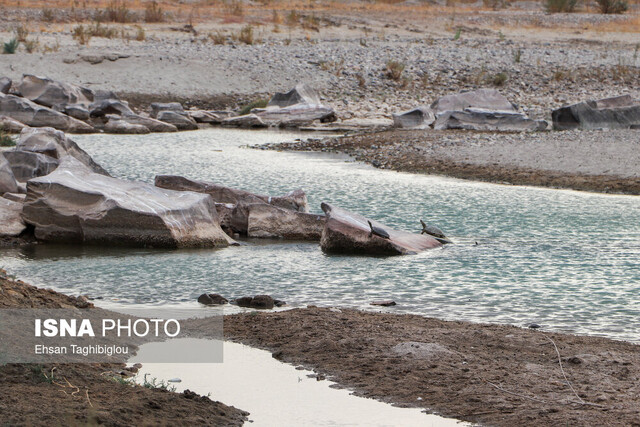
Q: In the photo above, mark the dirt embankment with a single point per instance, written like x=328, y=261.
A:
x=79, y=394
x=600, y=161
x=490, y=374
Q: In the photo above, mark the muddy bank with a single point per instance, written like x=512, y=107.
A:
x=489, y=374
x=71, y=394
x=600, y=161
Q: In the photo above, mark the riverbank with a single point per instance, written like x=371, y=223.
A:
x=74, y=394
x=600, y=161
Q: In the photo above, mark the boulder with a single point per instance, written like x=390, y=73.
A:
x=152, y=124
x=268, y=221
x=484, y=120
x=234, y=218
x=182, y=121
x=296, y=200
x=54, y=143
x=300, y=106
x=50, y=93
x=116, y=125
x=262, y=302
x=7, y=124
x=5, y=85
x=15, y=197
x=621, y=112
x=243, y=301
x=35, y=115
x=202, y=116
x=246, y=121
x=157, y=107
x=487, y=99
x=8, y=183
x=11, y=223
x=74, y=204
x=27, y=164
x=418, y=118
x=109, y=106
x=347, y=232
x=102, y=95
x=212, y=299
x=77, y=111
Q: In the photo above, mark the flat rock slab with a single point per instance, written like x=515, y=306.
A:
x=621, y=112
x=268, y=221
x=417, y=118
x=484, y=120
x=75, y=205
x=488, y=99
x=11, y=223
x=349, y=233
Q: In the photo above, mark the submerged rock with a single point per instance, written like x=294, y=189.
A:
x=260, y=302
x=484, y=120
x=35, y=115
x=268, y=221
x=384, y=303
x=418, y=118
x=212, y=299
x=74, y=204
x=11, y=223
x=621, y=112
x=350, y=233
x=152, y=124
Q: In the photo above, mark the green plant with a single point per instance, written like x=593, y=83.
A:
x=124, y=381
x=6, y=140
x=154, y=383
x=517, y=56
x=259, y=103
x=394, y=70
x=500, y=79
x=458, y=34
x=153, y=12
x=560, y=6
x=246, y=34
x=11, y=46
x=612, y=6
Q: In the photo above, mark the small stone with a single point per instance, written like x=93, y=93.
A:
x=385, y=303
x=534, y=326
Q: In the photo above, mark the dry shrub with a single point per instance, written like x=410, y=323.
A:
x=560, y=6
x=394, y=70
x=246, y=35
x=612, y=6
x=153, y=12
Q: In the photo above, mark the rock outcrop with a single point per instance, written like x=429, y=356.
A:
x=350, y=233
x=485, y=120
x=50, y=93
x=35, y=115
x=11, y=223
x=74, y=204
x=27, y=164
x=268, y=221
x=418, y=118
x=8, y=183
x=621, y=112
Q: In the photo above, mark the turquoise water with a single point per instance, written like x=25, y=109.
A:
x=567, y=260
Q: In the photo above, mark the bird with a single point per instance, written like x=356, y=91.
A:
x=377, y=231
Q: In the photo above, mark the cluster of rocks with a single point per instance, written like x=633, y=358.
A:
x=263, y=302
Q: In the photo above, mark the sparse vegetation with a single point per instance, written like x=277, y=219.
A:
x=612, y=6
x=140, y=34
x=246, y=35
x=153, y=12
x=218, y=37
x=362, y=82
x=11, y=46
x=394, y=70
x=48, y=15
x=500, y=79
x=31, y=45
x=560, y=6
x=6, y=140
x=334, y=67
x=154, y=383
x=458, y=34
x=495, y=4
x=22, y=32
x=82, y=35
x=517, y=56
x=116, y=11
x=259, y=103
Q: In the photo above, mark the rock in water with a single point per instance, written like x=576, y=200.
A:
x=269, y=221
x=621, y=112
x=50, y=93
x=212, y=299
x=118, y=126
x=418, y=118
x=347, y=232
x=74, y=204
x=384, y=303
x=8, y=183
x=35, y=115
x=11, y=223
x=487, y=99
x=55, y=144
x=262, y=302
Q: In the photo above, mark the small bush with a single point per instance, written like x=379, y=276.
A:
x=293, y=18
x=394, y=70
x=517, y=56
x=362, y=82
x=22, y=32
x=31, y=45
x=612, y=6
x=104, y=31
x=500, y=79
x=116, y=11
x=153, y=12
x=246, y=34
x=48, y=15
x=6, y=140
x=140, y=34
x=259, y=103
x=458, y=34
x=561, y=6
x=11, y=46
x=81, y=35
x=218, y=38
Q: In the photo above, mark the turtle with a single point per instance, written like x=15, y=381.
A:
x=434, y=232
x=377, y=231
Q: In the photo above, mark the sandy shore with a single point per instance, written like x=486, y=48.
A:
x=601, y=161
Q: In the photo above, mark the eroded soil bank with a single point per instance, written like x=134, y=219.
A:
x=489, y=374
x=600, y=161
x=79, y=394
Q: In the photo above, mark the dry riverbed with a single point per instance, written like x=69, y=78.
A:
x=601, y=161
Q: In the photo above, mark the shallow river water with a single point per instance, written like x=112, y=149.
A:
x=567, y=260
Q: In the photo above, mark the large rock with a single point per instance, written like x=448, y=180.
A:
x=484, y=120
x=35, y=115
x=27, y=164
x=157, y=107
x=116, y=125
x=5, y=84
x=55, y=144
x=300, y=106
x=11, y=223
x=50, y=93
x=7, y=124
x=621, y=112
x=109, y=106
x=77, y=111
x=202, y=116
x=269, y=221
x=487, y=99
x=180, y=120
x=8, y=183
x=418, y=118
x=347, y=232
x=152, y=124
x=296, y=200
x=74, y=204
x=246, y=121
